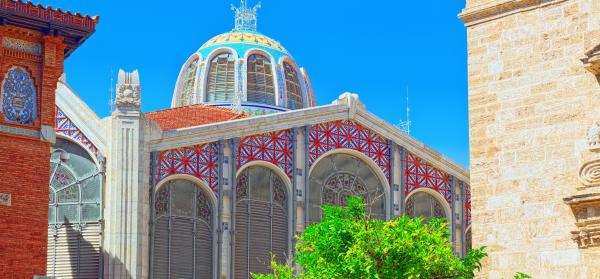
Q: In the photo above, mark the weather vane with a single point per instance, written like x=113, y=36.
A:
x=245, y=18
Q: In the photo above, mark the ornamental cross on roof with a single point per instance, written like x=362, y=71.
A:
x=245, y=18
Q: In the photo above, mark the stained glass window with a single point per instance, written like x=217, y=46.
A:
x=261, y=221
x=261, y=87
x=424, y=205
x=221, y=78
x=182, y=232
x=18, y=100
x=339, y=176
x=75, y=185
x=292, y=87
x=188, y=83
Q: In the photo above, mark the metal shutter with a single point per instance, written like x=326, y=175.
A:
x=160, y=264
x=241, y=239
x=280, y=234
x=73, y=253
x=260, y=237
x=182, y=251
x=204, y=250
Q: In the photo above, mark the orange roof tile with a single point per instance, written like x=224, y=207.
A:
x=190, y=116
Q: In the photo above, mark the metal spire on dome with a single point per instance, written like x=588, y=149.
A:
x=245, y=18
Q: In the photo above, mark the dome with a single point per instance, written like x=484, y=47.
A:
x=243, y=70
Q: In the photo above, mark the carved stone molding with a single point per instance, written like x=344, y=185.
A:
x=586, y=209
x=493, y=9
x=128, y=91
x=591, y=61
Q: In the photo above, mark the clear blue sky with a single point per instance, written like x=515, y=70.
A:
x=374, y=48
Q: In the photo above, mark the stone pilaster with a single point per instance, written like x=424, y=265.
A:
x=300, y=173
x=228, y=180
x=127, y=201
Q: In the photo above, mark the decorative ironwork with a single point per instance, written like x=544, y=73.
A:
x=19, y=100
x=279, y=192
x=274, y=147
x=340, y=186
x=242, y=186
x=420, y=174
x=203, y=207
x=65, y=127
x=292, y=87
x=348, y=134
x=161, y=203
x=201, y=161
x=245, y=18
x=467, y=205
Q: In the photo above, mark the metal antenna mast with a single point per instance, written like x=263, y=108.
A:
x=404, y=126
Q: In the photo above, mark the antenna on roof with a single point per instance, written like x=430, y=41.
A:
x=404, y=126
x=245, y=18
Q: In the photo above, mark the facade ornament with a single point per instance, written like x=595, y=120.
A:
x=591, y=60
x=586, y=209
x=593, y=137
x=128, y=91
x=245, y=18
x=589, y=173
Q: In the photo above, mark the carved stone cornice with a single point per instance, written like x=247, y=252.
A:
x=591, y=61
x=481, y=13
x=586, y=209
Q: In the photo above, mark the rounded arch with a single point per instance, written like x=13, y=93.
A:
x=182, y=221
x=273, y=68
x=372, y=166
x=380, y=175
x=73, y=141
x=176, y=97
x=437, y=196
x=206, y=73
x=277, y=170
x=286, y=60
x=195, y=180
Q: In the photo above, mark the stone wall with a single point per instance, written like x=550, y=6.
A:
x=531, y=101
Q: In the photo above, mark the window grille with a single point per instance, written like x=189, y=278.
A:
x=261, y=87
x=221, y=78
x=187, y=83
x=261, y=221
x=182, y=232
x=340, y=176
x=75, y=212
x=292, y=86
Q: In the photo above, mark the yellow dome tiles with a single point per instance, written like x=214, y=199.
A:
x=244, y=38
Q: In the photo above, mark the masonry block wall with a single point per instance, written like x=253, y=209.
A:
x=531, y=102
x=25, y=153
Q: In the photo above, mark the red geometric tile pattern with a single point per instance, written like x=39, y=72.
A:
x=274, y=147
x=201, y=161
x=420, y=174
x=348, y=134
x=467, y=205
x=64, y=126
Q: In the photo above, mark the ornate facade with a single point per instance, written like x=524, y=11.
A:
x=206, y=190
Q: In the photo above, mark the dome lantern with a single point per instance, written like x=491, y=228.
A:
x=244, y=70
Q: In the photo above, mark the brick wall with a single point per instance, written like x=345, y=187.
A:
x=531, y=102
x=24, y=173
x=25, y=161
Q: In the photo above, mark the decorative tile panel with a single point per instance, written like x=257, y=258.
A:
x=467, y=205
x=274, y=147
x=420, y=174
x=201, y=161
x=18, y=97
x=22, y=46
x=348, y=134
x=65, y=127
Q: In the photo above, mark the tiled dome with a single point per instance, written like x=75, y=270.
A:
x=242, y=41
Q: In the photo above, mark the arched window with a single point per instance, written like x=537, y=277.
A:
x=187, y=83
x=424, y=205
x=292, y=87
x=18, y=100
x=75, y=212
x=182, y=232
x=468, y=240
x=221, y=78
x=261, y=88
x=339, y=176
x=261, y=221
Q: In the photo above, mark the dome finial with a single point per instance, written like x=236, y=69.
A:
x=245, y=18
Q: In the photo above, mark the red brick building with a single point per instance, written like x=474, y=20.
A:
x=35, y=40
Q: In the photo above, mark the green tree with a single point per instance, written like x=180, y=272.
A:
x=349, y=244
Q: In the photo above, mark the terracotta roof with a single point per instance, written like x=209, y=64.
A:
x=190, y=116
x=50, y=14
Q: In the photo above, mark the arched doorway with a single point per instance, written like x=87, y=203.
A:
x=183, y=230
x=261, y=221
x=338, y=176
x=74, y=212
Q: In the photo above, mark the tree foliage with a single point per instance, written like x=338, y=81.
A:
x=349, y=244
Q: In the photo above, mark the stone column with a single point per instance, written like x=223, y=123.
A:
x=127, y=210
x=228, y=182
